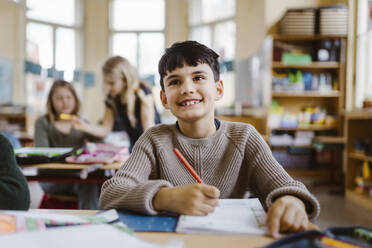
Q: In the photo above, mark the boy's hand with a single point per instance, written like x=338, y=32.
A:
x=287, y=214
x=194, y=199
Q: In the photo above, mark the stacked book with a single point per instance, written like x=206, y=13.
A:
x=298, y=21
x=333, y=20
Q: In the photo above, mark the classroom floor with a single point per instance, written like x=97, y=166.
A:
x=335, y=210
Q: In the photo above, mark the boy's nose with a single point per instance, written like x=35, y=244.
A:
x=188, y=87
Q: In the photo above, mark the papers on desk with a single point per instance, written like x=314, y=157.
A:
x=92, y=236
x=232, y=216
x=53, y=151
x=20, y=221
x=35, y=230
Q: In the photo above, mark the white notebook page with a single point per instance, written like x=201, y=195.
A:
x=234, y=216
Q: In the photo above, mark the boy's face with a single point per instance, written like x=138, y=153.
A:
x=189, y=92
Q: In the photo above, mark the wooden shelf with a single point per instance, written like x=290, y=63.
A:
x=313, y=65
x=329, y=139
x=302, y=94
x=286, y=147
x=359, y=199
x=332, y=101
x=359, y=156
x=306, y=37
x=359, y=114
x=309, y=173
x=306, y=128
x=13, y=115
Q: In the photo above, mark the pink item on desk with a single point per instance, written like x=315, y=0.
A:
x=95, y=153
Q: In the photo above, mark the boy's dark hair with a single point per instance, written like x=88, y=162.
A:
x=191, y=53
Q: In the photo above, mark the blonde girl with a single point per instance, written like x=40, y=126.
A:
x=129, y=104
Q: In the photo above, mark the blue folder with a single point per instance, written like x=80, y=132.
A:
x=146, y=223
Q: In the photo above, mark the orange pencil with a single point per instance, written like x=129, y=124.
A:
x=187, y=165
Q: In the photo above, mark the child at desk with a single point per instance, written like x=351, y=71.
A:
x=130, y=105
x=55, y=130
x=229, y=157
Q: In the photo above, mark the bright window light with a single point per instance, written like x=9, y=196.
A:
x=55, y=11
x=125, y=45
x=138, y=14
x=65, y=52
x=41, y=36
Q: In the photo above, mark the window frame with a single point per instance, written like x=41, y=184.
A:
x=77, y=28
x=212, y=25
x=137, y=32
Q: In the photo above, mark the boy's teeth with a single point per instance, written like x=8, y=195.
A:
x=189, y=103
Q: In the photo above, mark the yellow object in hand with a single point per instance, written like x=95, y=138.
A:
x=66, y=117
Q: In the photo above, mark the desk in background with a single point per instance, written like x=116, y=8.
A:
x=31, y=172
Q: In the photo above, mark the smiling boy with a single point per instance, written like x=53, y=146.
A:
x=231, y=158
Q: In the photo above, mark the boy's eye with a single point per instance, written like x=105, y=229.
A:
x=198, y=78
x=173, y=82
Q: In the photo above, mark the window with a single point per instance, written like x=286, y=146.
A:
x=137, y=33
x=53, y=29
x=363, y=87
x=212, y=23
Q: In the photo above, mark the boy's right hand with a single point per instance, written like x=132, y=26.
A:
x=194, y=199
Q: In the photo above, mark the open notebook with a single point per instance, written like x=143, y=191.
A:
x=232, y=216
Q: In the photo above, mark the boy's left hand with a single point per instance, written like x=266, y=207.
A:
x=287, y=214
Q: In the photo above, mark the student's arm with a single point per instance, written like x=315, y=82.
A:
x=275, y=188
x=147, y=110
x=41, y=134
x=130, y=187
x=99, y=131
x=14, y=193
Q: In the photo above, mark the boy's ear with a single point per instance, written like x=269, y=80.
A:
x=220, y=90
x=164, y=99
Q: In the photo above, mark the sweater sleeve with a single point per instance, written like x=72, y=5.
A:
x=41, y=133
x=268, y=180
x=14, y=192
x=130, y=188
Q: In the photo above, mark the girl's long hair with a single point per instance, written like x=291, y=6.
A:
x=121, y=68
x=52, y=114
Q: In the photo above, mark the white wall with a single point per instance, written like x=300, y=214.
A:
x=96, y=51
x=12, y=44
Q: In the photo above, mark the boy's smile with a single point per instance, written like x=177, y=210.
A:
x=190, y=91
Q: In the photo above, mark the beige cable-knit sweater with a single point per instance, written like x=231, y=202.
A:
x=235, y=159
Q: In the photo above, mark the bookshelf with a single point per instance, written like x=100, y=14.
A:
x=21, y=124
x=357, y=129
x=313, y=65
x=295, y=101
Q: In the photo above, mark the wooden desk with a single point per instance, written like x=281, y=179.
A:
x=190, y=240
x=65, y=166
x=71, y=177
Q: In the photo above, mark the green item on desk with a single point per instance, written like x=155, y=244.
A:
x=363, y=234
x=296, y=59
